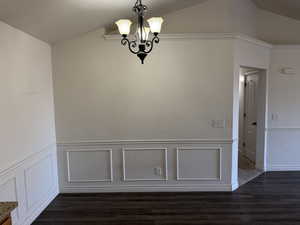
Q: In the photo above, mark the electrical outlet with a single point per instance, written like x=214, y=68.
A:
x=158, y=171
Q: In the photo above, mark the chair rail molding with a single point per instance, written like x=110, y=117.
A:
x=66, y=144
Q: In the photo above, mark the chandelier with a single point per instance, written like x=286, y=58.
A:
x=144, y=40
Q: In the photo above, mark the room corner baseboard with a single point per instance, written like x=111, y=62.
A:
x=148, y=188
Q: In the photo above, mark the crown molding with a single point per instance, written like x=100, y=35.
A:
x=203, y=36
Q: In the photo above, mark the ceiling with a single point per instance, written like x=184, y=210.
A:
x=55, y=20
x=289, y=8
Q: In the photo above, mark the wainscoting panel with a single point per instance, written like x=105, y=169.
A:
x=38, y=181
x=145, y=165
x=90, y=165
x=199, y=164
x=32, y=183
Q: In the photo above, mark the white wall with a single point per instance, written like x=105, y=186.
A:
x=284, y=122
x=27, y=133
x=102, y=92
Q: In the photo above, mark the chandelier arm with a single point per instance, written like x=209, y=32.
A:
x=131, y=45
x=151, y=44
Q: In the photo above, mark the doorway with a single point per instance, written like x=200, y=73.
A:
x=252, y=115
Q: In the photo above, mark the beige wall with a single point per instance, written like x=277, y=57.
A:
x=27, y=116
x=28, y=165
x=102, y=92
x=284, y=109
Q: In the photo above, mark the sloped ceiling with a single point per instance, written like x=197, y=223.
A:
x=288, y=8
x=55, y=20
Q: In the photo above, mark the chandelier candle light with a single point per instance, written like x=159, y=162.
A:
x=141, y=45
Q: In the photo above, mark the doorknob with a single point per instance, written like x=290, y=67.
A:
x=254, y=123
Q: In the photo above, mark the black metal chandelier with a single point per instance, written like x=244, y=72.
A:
x=141, y=45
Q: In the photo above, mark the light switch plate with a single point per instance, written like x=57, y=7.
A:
x=218, y=123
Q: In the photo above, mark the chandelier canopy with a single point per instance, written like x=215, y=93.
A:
x=145, y=36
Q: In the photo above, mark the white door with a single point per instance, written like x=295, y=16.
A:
x=251, y=95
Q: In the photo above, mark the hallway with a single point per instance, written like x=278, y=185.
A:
x=247, y=170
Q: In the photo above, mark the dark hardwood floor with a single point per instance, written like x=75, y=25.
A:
x=272, y=198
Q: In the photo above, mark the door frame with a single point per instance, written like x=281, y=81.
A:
x=261, y=137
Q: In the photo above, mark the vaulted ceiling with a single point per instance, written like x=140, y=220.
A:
x=54, y=20
x=288, y=8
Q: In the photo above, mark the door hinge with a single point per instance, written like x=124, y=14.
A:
x=245, y=115
x=244, y=144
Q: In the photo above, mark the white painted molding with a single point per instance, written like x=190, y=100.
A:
x=203, y=36
x=235, y=186
x=284, y=167
x=281, y=128
x=19, y=163
x=200, y=149
x=16, y=176
x=89, y=150
x=150, y=188
x=125, y=179
x=26, y=175
x=85, y=143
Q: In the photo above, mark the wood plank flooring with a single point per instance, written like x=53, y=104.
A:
x=272, y=198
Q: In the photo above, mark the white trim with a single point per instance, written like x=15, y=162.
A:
x=19, y=163
x=23, y=215
x=200, y=149
x=145, y=149
x=149, y=188
x=282, y=128
x=284, y=167
x=235, y=186
x=203, y=36
x=86, y=143
x=89, y=181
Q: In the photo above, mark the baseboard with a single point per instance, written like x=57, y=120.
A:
x=235, y=186
x=283, y=167
x=149, y=188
